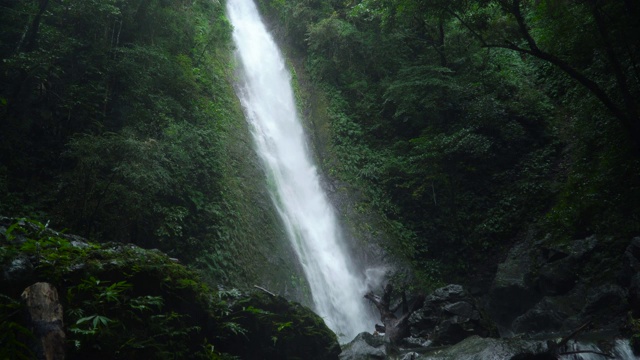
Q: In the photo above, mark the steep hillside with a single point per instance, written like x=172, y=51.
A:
x=119, y=122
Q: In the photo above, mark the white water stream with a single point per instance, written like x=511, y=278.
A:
x=267, y=97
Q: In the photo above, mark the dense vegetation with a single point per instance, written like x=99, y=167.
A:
x=463, y=125
x=124, y=302
x=119, y=122
x=468, y=124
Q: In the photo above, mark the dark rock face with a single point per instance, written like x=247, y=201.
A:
x=448, y=316
x=540, y=288
x=557, y=278
x=546, y=315
x=631, y=274
x=513, y=291
x=632, y=254
x=634, y=294
x=606, y=300
x=18, y=270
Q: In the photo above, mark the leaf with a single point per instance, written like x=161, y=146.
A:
x=282, y=326
x=85, y=319
x=253, y=310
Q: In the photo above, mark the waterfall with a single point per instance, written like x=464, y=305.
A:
x=266, y=94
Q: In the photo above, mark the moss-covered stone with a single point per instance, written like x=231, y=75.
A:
x=280, y=329
x=125, y=302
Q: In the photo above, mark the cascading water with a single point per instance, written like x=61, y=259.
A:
x=267, y=97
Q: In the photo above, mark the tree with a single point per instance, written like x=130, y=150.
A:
x=610, y=27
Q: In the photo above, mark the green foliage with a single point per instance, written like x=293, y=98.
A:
x=272, y=327
x=119, y=121
x=128, y=326
x=460, y=142
x=106, y=319
x=13, y=336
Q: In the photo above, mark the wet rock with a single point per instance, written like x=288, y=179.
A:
x=463, y=309
x=545, y=316
x=534, y=271
x=410, y=356
x=558, y=275
x=632, y=254
x=414, y=342
x=18, y=270
x=606, y=300
x=634, y=294
x=581, y=248
x=448, y=316
x=280, y=330
x=557, y=278
x=365, y=346
x=478, y=348
x=512, y=292
x=448, y=293
x=630, y=262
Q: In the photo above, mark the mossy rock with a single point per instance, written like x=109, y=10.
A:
x=147, y=305
x=280, y=329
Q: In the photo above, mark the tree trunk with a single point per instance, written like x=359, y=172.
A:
x=44, y=319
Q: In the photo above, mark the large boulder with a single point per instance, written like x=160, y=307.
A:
x=545, y=316
x=365, y=346
x=164, y=306
x=275, y=328
x=541, y=287
x=513, y=291
x=448, y=316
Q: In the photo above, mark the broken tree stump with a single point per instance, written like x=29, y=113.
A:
x=44, y=319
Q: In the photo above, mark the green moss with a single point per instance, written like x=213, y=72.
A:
x=122, y=301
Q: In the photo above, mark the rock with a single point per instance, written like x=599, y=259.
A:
x=607, y=301
x=478, y=348
x=19, y=269
x=512, y=292
x=280, y=329
x=581, y=248
x=450, y=331
x=559, y=274
x=630, y=263
x=44, y=319
x=632, y=254
x=634, y=294
x=462, y=308
x=365, y=346
x=545, y=316
x=550, y=254
x=410, y=356
x=448, y=316
x=414, y=342
x=532, y=271
x=448, y=293
x=557, y=278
